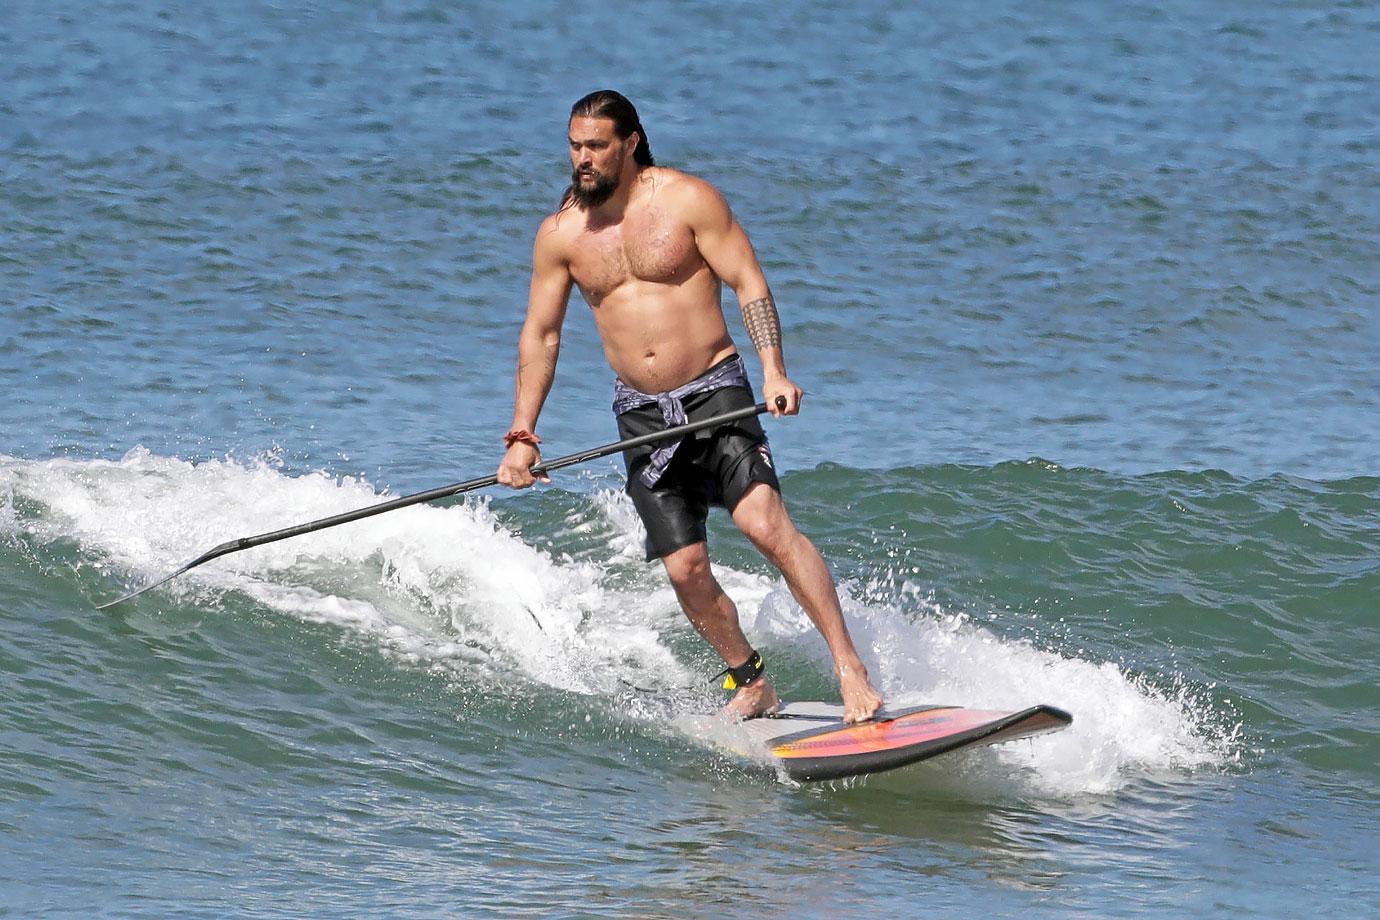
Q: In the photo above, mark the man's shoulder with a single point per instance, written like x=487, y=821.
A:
x=689, y=197
x=559, y=224
x=553, y=242
x=683, y=184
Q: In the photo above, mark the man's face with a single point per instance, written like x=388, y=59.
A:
x=596, y=159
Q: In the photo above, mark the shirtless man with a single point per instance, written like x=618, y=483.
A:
x=649, y=247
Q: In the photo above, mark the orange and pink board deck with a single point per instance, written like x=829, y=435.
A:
x=811, y=741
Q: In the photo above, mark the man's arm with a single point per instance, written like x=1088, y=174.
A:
x=727, y=250
x=539, y=345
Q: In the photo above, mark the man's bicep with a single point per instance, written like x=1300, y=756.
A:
x=722, y=241
x=550, y=288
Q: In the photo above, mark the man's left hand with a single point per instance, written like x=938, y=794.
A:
x=782, y=386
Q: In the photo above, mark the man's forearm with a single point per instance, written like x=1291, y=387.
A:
x=764, y=328
x=536, y=370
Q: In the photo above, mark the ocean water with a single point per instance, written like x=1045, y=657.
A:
x=1084, y=301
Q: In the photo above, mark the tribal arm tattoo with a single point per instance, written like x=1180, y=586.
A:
x=763, y=325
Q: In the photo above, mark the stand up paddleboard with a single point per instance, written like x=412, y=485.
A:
x=811, y=741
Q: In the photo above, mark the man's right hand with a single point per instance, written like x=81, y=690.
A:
x=516, y=469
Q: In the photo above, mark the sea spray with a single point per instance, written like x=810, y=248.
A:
x=454, y=585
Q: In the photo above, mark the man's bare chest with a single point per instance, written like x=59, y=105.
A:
x=648, y=246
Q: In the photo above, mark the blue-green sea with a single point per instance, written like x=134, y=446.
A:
x=1086, y=302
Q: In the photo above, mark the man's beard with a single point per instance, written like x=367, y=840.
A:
x=591, y=196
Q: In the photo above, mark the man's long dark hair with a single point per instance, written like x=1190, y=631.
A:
x=613, y=105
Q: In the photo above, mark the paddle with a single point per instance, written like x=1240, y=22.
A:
x=234, y=546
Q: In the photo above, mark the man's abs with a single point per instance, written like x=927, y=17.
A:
x=658, y=337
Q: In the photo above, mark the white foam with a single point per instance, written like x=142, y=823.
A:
x=452, y=585
x=924, y=654
x=1122, y=728
x=429, y=582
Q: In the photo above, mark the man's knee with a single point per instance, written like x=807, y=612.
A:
x=688, y=567
x=762, y=517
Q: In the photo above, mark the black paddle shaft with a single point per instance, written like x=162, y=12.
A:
x=430, y=495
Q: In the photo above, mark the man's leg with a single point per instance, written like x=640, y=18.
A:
x=762, y=516
x=714, y=615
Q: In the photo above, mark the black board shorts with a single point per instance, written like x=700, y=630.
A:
x=714, y=466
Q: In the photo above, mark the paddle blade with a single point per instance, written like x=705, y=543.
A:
x=148, y=587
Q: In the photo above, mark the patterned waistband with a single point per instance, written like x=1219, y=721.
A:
x=728, y=373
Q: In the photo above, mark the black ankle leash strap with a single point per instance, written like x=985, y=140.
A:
x=744, y=674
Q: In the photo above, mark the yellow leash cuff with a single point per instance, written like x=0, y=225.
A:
x=744, y=674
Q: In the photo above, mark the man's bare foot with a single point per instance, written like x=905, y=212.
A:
x=860, y=700
x=756, y=699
